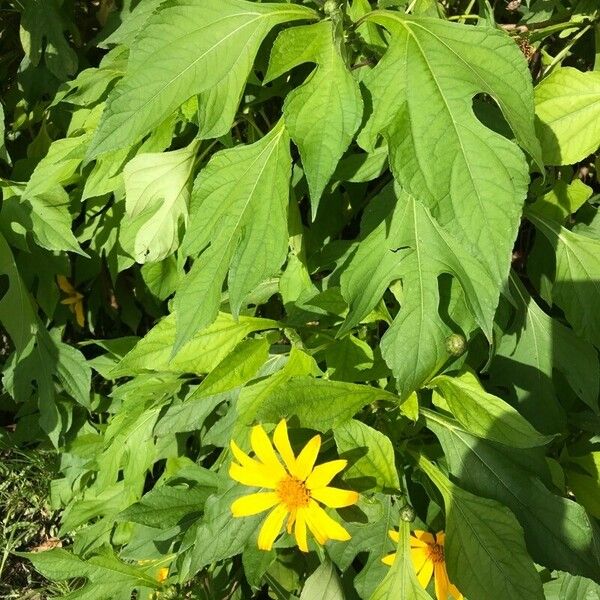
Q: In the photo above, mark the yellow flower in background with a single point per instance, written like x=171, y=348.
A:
x=162, y=574
x=427, y=555
x=74, y=299
x=297, y=486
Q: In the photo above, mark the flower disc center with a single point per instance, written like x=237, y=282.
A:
x=293, y=493
x=436, y=553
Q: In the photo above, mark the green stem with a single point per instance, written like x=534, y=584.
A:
x=565, y=51
x=468, y=11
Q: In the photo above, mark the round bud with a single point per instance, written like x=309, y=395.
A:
x=330, y=7
x=456, y=344
x=407, y=513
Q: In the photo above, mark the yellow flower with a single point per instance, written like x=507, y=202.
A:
x=74, y=300
x=427, y=555
x=297, y=487
x=162, y=574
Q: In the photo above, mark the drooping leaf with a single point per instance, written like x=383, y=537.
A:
x=322, y=114
x=185, y=48
x=484, y=414
x=157, y=192
x=323, y=584
x=531, y=347
x=200, y=355
x=484, y=549
x=238, y=223
x=107, y=577
x=252, y=397
x=558, y=532
x=218, y=535
x=368, y=537
x=319, y=403
x=567, y=106
x=576, y=285
x=439, y=151
x=404, y=242
x=370, y=455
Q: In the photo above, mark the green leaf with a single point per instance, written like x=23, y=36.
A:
x=238, y=222
x=558, y=532
x=484, y=549
x=439, y=151
x=405, y=242
x=185, y=48
x=319, y=403
x=371, y=537
x=370, y=455
x=133, y=23
x=3, y=153
x=17, y=313
x=401, y=581
x=484, y=414
x=166, y=506
x=42, y=31
x=219, y=534
x=531, y=347
x=107, y=576
x=323, y=584
x=576, y=285
x=562, y=200
x=157, y=193
x=567, y=106
x=201, y=354
x=235, y=369
x=39, y=355
x=323, y=114
x=252, y=397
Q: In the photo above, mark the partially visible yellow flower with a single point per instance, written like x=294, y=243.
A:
x=74, y=299
x=297, y=488
x=162, y=574
x=427, y=555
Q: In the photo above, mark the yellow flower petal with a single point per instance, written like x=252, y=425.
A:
x=418, y=556
x=314, y=527
x=271, y=527
x=65, y=285
x=70, y=301
x=323, y=474
x=281, y=440
x=394, y=535
x=335, y=497
x=421, y=538
x=79, y=316
x=331, y=529
x=424, y=575
x=441, y=581
x=300, y=530
x=440, y=538
x=252, y=476
x=242, y=457
x=253, y=504
x=306, y=459
x=389, y=559
x=261, y=444
x=453, y=591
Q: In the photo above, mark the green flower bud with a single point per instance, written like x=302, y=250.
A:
x=456, y=344
x=330, y=7
x=407, y=513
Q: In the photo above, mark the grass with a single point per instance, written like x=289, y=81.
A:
x=26, y=521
